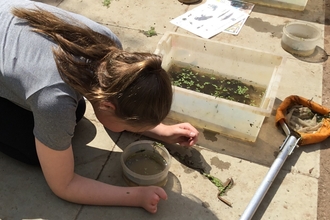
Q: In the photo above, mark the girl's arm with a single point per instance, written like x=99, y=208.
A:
x=58, y=169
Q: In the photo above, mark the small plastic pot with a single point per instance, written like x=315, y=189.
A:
x=300, y=38
x=149, y=147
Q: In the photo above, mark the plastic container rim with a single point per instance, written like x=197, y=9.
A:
x=145, y=177
x=287, y=33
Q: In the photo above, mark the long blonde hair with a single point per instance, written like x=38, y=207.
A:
x=92, y=64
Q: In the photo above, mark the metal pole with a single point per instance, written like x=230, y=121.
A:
x=286, y=149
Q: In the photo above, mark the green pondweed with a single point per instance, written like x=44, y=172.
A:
x=197, y=80
x=106, y=3
x=149, y=33
x=218, y=183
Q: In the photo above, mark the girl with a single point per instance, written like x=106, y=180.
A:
x=50, y=60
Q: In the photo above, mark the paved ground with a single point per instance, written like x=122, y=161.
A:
x=293, y=195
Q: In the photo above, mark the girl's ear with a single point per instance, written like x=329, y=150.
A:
x=107, y=106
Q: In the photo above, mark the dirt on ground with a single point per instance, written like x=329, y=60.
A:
x=324, y=180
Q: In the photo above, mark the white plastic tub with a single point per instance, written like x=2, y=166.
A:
x=300, y=38
x=204, y=111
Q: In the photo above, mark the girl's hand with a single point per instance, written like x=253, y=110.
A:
x=184, y=134
x=151, y=198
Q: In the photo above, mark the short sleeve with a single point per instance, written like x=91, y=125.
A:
x=54, y=117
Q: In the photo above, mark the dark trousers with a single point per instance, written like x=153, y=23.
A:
x=16, y=131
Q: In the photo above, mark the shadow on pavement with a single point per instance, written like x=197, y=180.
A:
x=24, y=193
x=178, y=205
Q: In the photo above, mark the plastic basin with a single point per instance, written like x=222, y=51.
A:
x=220, y=115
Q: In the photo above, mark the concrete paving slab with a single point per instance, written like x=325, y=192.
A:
x=290, y=198
x=307, y=78
x=137, y=15
x=248, y=176
x=24, y=194
x=189, y=190
x=135, y=41
x=174, y=208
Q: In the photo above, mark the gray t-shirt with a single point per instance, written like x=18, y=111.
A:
x=29, y=76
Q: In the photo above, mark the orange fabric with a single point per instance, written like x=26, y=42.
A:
x=306, y=138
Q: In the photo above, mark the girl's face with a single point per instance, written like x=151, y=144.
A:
x=105, y=114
